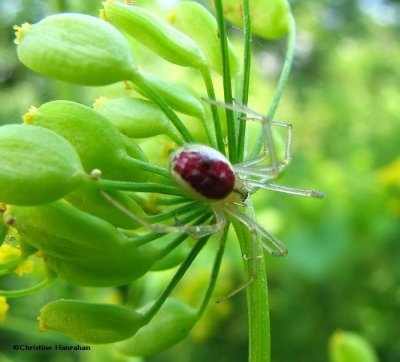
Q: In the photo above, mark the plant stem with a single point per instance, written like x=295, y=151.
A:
x=173, y=201
x=287, y=66
x=177, y=277
x=211, y=134
x=138, y=187
x=146, y=166
x=214, y=273
x=17, y=293
x=257, y=293
x=246, y=77
x=156, y=98
x=181, y=238
x=177, y=211
x=140, y=240
x=227, y=81
x=205, y=73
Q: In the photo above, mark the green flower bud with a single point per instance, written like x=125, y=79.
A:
x=116, y=266
x=137, y=118
x=80, y=247
x=350, y=347
x=195, y=21
x=179, y=96
x=76, y=48
x=97, y=141
x=90, y=200
x=133, y=149
x=183, y=99
x=90, y=322
x=63, y=231
x=269, y=18
x=169, y=326
x=36, y=166
x=154, y=33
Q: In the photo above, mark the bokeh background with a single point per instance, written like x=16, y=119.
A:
x=343, y=267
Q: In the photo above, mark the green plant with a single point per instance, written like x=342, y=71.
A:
x=82, y=242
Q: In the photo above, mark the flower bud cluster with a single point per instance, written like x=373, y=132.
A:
x=74, y=180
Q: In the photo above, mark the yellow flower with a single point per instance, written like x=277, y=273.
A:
x=8, y=252
x=25, y=267
x=20, y=31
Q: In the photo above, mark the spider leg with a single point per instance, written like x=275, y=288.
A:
x=237, y=107
x=253, y=171
x=245, y=167
x=278, y=248
x=251, y=162
x=253, y=257
x=286, y=190
x=195, y=231
x=288, y=148
x=289, y=139
x=269, y=146
x=255, y=229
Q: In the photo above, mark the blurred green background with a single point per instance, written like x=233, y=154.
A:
x=343, y=267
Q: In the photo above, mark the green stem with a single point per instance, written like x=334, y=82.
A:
x=177, y=277
x=246, y=77
x=156, y=98
x=287, y=66
x=205, y=73
x=226, y=81
x=146, y=166
x=175, y=136
x=210, y=131
x=181, y=238
x=61, y=6
x=173, y=245
x=191, y=212
x=50, y=276
x=137, y=241
x=173, y=201
x=257, y=293
x=138, y=187
x=192, y=207
x=214, y=273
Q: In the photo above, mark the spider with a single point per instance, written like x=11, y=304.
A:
x=205, y=174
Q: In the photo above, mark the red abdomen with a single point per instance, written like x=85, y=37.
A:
x=211, y=177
